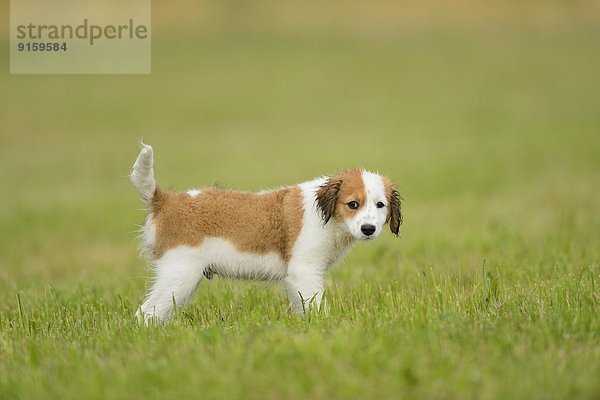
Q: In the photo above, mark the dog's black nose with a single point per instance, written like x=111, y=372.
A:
x=368, y=229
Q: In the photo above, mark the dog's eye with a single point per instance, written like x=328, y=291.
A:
x=380, y=204
x=353, y=205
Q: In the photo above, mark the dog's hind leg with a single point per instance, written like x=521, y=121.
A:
x=178, y=274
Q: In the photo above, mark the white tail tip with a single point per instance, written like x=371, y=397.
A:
x=142, y=173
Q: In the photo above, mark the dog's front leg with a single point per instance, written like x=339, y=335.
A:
x=305, y=286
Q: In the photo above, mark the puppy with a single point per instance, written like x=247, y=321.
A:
x=292, y=234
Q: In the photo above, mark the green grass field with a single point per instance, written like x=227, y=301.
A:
x=492, y=291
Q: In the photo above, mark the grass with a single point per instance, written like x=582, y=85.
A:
x=490, y=293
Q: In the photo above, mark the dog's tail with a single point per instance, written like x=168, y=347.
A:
x=142, y=173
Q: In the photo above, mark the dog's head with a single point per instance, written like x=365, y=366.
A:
x=363, y=201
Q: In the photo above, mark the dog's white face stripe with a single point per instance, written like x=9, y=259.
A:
x=370, y=214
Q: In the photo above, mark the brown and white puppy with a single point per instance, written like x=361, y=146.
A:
x=292, y=234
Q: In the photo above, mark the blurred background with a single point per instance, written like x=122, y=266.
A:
x=485, y=114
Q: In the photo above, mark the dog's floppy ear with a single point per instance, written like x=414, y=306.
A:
x=327, y=196
x=395, y=212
